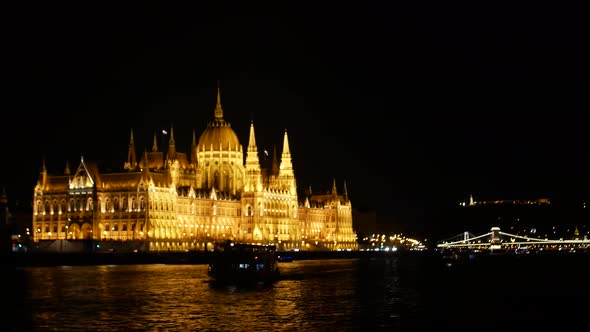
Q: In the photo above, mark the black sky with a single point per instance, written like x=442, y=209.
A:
x=414, y=104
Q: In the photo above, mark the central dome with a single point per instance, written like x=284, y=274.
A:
x=218, y=135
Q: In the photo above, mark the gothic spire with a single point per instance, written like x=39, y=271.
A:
x=171, y=144
x=252, y=138
x=131, y=157
x=274, y=167
x=286, y=165
x=155, y=145
x=286, y=174
x=194, y=149
x=334, y=191
x=43, y=174
x=146, y=166
x=345, y=192
x=254, y=180
x=171, y=140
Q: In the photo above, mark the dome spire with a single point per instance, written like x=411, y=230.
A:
x=218, y=109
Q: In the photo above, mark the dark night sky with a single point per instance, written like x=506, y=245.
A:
x=414, y=104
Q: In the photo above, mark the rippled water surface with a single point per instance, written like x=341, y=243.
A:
x=390, y=294
x=339, y=294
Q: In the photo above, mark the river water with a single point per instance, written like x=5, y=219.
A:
x=401, y=293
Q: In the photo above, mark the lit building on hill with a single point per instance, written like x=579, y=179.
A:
x=176, y=201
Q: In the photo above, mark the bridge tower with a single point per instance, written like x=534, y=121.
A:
x=495, y=241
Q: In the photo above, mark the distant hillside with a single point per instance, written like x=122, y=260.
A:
x=545, y=219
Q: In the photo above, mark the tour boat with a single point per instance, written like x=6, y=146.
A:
x=240, y=263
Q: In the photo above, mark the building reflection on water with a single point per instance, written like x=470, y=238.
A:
x=401, y=292
x=311, y=295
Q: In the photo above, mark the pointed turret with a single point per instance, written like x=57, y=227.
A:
x=286, y=174
x=43, y=174
x=286, y=167
x=345, y=192
x=131, y=157
x=194, y=149
x=274, y=167
x=67, y=168
x=334, y=191
x=252, y=138
x=253, y=172
x=145, y=168
x=155, y=145
x=171, y=145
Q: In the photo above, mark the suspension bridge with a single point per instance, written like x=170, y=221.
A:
x=498, y=240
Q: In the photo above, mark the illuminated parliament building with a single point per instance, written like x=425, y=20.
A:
x=174, y=201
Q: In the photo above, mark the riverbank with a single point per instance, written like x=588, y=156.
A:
x=192, y=257
x=57, y=259
x=203, y=257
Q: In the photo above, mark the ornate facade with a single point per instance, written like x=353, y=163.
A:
x=175, y=201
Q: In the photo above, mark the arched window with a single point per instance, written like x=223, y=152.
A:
x=249, y=211
x=226, y=183
x=141, y=204
x=216, y=180
x=116, y=204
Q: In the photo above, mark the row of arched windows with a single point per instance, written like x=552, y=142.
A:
x=81, y=205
